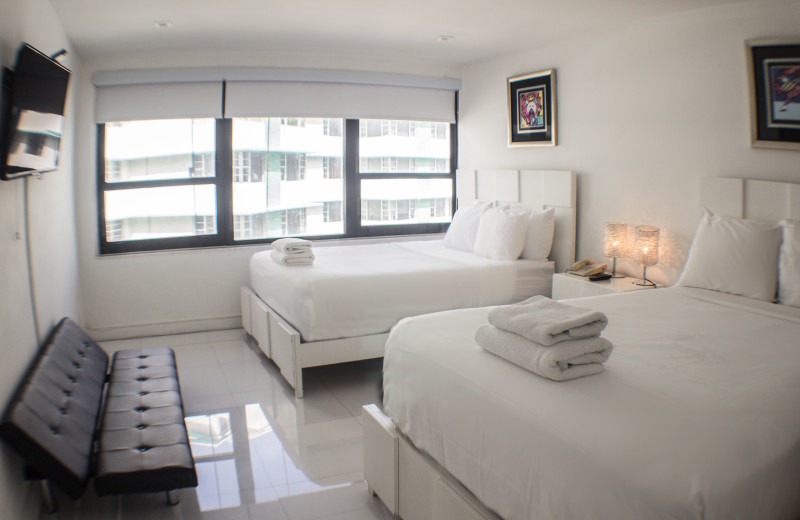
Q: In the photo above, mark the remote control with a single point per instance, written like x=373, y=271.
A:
x=600, y=276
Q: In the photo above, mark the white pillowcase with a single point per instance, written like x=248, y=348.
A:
x=464, y=227
x=501, y=234
x=789, y=265
x=539, y=239
x=735, y=256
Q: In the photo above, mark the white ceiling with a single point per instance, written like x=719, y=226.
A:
x=404, y=29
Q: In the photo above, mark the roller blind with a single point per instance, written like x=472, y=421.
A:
x=346, y=100
x=158, y=101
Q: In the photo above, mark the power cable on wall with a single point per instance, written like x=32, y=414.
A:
x=29, y=256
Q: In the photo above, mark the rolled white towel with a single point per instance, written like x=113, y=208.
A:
x=546, y=321
x=292, y=245
x=292, y=259
x=567, y=360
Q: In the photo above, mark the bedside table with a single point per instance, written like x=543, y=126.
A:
x=567, y=286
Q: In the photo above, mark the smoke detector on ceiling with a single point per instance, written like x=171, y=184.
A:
x=444, y=38
x=163, y=24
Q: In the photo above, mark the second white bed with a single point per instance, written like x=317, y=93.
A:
x=357, y=290
x=695, y=415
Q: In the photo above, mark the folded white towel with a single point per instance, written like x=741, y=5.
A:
x=292, y=259
x=567, y=360
x=546, y=321
x=292, y=245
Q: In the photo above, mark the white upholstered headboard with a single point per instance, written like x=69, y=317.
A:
x=536, y=189
x=750, y=198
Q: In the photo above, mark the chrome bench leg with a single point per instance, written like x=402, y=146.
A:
x=49, y=497
x=172, y=497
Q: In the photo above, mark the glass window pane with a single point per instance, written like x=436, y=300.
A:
x=160, y=149
x=287, y=177
x=405, y=201
x=147, y=213
x=389, y=146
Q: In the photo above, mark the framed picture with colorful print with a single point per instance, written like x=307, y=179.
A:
x=774, y=69
x=532, y=109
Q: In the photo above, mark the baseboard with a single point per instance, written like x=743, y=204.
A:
x=164, y=328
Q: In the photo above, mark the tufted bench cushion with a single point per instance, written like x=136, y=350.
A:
x=51, y=418
x=139, y=443
x=143, y=442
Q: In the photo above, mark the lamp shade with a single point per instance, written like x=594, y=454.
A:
x=615, y=238
x=645, y=245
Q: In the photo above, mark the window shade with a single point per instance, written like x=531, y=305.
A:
x=158, y=101
x=346, y=100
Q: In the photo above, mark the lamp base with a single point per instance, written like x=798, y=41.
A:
x=614, y=270
x=644, y=282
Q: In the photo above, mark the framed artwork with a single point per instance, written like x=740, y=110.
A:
x=774, y=69
x=532, y=109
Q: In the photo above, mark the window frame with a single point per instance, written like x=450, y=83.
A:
x=223, y=182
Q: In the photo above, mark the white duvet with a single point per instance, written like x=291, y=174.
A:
x=357, y=290
x=696, y=415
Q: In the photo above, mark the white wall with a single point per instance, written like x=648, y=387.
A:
x=176, y=291
x=53, y=248
x=643, y=113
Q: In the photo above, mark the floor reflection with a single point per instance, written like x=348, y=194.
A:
x=242, y=445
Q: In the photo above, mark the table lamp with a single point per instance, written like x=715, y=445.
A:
x=614, y=244
x=645, y=251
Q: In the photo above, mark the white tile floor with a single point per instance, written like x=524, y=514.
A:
x=260, y=453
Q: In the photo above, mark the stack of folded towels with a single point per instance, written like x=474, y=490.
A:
x=293, y=251
x=550, y=338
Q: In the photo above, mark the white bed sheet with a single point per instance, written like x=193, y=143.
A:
x=357, y=290
x=695, y=416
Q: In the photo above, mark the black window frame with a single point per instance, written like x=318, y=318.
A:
x=223, y=182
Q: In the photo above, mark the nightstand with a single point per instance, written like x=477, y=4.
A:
x=567, y=286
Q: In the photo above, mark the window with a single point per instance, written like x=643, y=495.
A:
x=293, y=167
x=205, y=225
x=411, y=158
x=293, y=221
x=150, y=183
x=332, y=167
x=165, y=184
x=242, y=226
x=332, y=211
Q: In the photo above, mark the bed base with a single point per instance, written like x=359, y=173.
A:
x=410, y=483
x=282, y=344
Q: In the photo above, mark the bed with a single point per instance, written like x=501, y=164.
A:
x=342, y=308
x=694, y=416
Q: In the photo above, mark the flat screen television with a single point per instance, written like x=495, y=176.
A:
x=33, y=114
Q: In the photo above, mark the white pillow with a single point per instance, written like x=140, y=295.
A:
x=501, y=234
x=789, y=265
x=539, y=239
x=734, y=256
x=464, y=227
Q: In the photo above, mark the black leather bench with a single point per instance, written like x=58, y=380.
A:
x=69, y=425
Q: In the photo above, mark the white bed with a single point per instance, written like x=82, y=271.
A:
x=694, y=416
x=341, y=308
x=358, y=290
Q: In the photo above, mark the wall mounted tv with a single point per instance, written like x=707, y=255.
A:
x=33, y=98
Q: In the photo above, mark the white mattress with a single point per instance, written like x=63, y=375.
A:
x=357, y=290
x=695, y=416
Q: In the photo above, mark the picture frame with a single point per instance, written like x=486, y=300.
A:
x=774, y=78
x=532, y=109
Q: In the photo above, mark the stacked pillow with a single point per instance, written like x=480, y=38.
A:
x=745, y=257
x=502, y=233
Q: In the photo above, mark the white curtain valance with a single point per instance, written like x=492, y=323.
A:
x=158, y=101
x=345, y=100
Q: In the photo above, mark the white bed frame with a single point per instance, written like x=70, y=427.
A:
x=535, y=189
x=413, y=486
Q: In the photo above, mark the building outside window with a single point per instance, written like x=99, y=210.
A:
x=286, y=176
x=332, y=211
